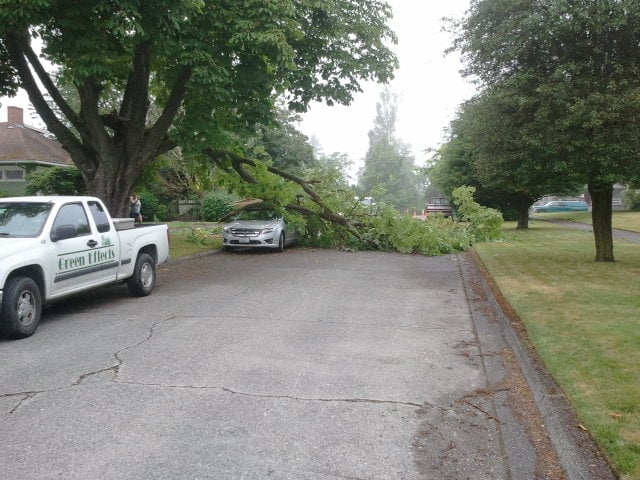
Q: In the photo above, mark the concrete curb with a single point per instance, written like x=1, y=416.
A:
x=577, y=452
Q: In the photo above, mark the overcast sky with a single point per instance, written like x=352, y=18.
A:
x=428, y=83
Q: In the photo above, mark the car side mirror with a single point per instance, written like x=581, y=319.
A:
x=62, y=232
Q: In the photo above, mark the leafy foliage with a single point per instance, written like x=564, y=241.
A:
x=284, y=144
x=152, y=208
x=214, y=208
x=197, y=74
x=485, y=223
x=55, y=181
x=631, y=198
x=198, y=236
x=312, y=211
x=574, y=69
x=403, y=233
x=495, y=146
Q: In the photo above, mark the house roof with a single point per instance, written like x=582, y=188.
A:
x=22, y=144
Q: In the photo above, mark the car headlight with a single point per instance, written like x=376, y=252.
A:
x=264, y=231
x=225, y=229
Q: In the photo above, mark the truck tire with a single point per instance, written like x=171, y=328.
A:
x=21, y=308
x=143, y=279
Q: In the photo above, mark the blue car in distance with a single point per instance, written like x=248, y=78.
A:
x=561, y=206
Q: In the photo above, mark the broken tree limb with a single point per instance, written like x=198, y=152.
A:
x=237, y=163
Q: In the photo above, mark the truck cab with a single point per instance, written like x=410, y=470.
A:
x=52, y=247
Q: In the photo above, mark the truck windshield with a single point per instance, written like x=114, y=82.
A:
x=23, y=219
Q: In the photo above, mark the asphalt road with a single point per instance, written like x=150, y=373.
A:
x=302, y=365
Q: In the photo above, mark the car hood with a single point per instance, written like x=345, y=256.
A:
x=11, y=246
x=257, y=224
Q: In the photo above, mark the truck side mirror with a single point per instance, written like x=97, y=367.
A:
x=62, y=232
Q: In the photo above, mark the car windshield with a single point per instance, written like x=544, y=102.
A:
x=23, y=219
x=257, y=215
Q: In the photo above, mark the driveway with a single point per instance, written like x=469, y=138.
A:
x=303, y=365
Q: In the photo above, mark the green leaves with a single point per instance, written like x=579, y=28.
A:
x=212, y=72
x=484, y=223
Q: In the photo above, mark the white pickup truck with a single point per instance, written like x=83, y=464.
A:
x=52, y=247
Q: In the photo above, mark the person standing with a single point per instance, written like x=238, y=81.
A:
x=134, y=208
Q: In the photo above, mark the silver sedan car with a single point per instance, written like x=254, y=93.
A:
x=261, y=228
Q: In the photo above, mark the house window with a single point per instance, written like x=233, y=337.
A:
x=15, y=174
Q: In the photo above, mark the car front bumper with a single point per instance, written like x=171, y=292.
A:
x=268, y=240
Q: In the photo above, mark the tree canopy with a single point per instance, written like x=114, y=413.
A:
x=581, y=61
x=212, y=70
x=495, y=146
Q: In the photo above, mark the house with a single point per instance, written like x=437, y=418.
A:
x=24, y=149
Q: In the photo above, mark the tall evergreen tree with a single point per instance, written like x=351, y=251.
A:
x=389, y=170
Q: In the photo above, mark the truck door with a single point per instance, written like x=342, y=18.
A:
x=81, y=256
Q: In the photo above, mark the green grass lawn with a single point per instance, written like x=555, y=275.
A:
x=583, y=318
x=192, y=238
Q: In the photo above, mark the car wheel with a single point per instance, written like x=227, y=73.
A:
x=143, y=279
x=21, y=308
x=281, y=242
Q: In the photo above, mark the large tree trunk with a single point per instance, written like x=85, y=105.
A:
x=523, y=217
x=110, y=150
x=522, y=204
x=113, y=183
x=601, y=211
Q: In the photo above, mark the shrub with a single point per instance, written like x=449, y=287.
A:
x=198, y=236
x=631, y=199
x=214, y=208
x=55, y=181
x=152, y=209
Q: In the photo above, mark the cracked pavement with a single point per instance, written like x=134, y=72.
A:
x=303, y=365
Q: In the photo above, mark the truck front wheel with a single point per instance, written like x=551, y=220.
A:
x=143, y=279
x=21, y=308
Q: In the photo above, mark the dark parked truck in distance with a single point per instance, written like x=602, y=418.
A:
x=438, y=205
x=53, y=247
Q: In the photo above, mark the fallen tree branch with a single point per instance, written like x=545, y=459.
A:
x=238, y=162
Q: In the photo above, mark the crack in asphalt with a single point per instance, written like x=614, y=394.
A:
x=284, y=397
x=25, y=397
x=114, y=369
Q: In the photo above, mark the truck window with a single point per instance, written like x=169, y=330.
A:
x=73, y=214
x=99, y=216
